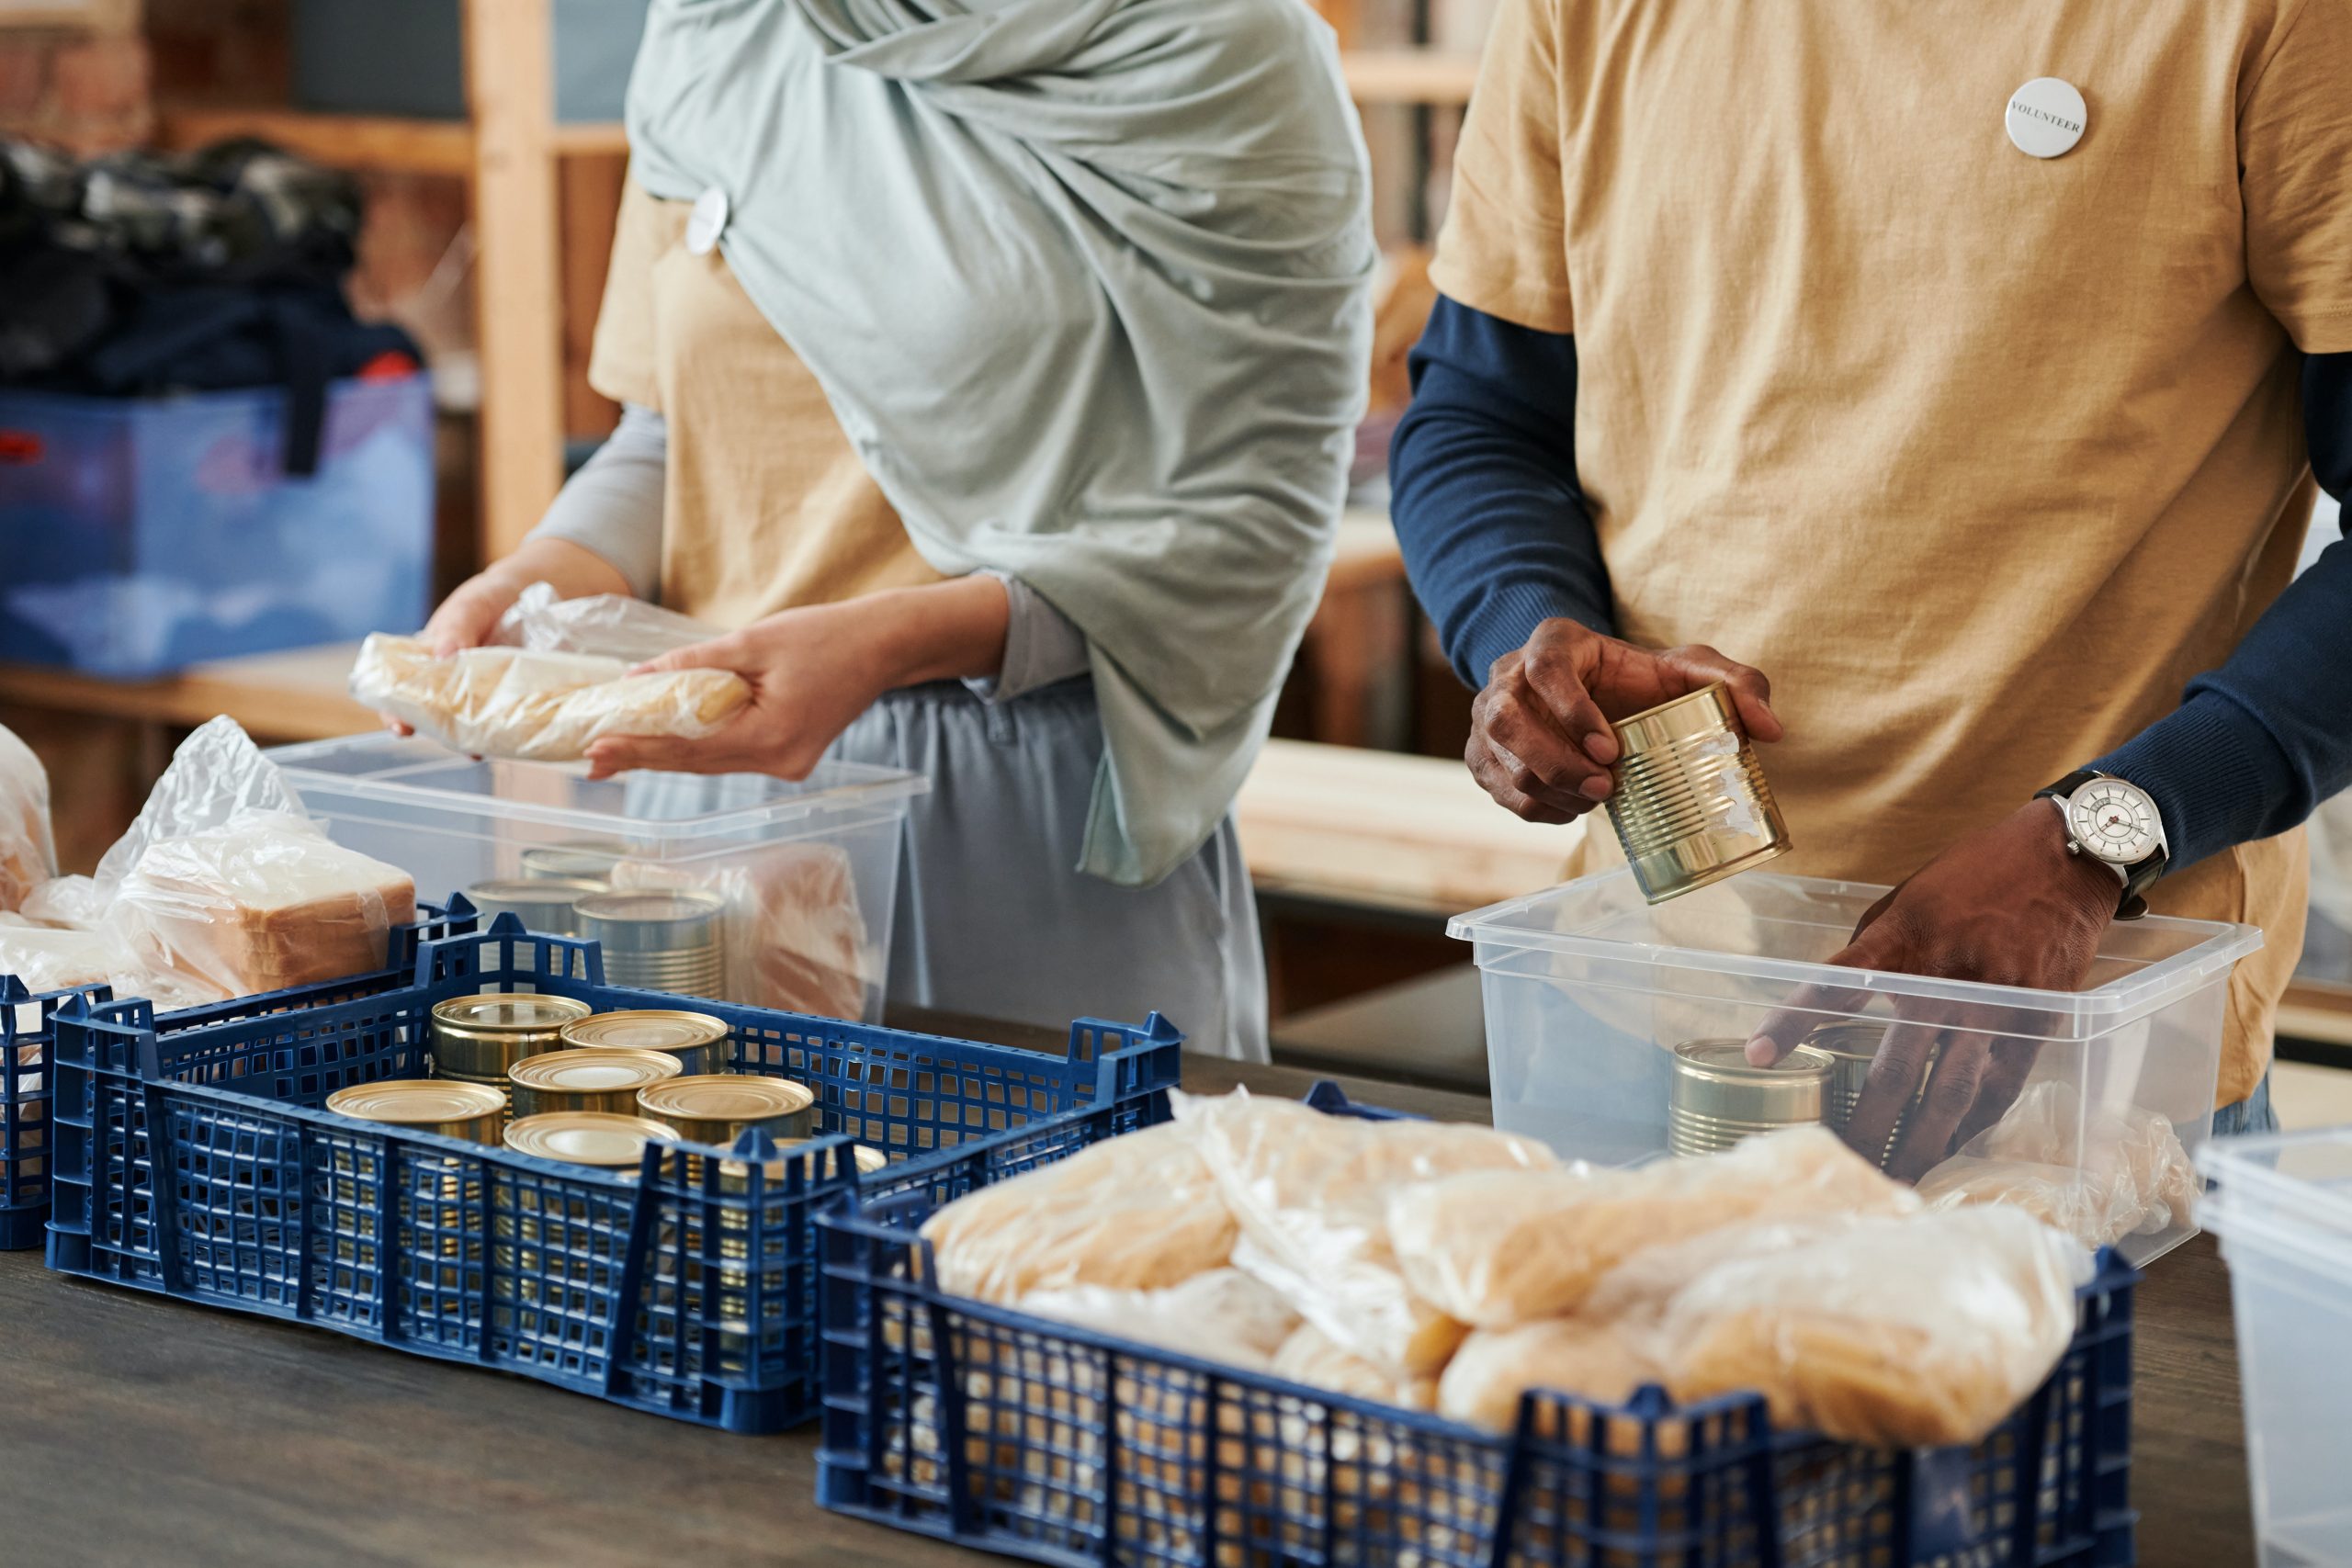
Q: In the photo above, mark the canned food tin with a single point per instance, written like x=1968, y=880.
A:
x=424, y=1105
x=717, y=1108
x=606, y=1081
x=1689, y=803
x=479, y=1037
x=542, y=904
x=586, y=1137
x=1718, y=1099
x=591, y=861
x=697, y=1040
x=658, y=939
x=1852, y=1043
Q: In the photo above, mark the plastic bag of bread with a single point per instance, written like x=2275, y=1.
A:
x=261, y=902
x=612, y=624
x=1221, y=1316
x=1917, y=1330
x=1135, y=1213
x=510, y=702
x=1312, y=1357
x=794, y=935
x=1310, y=1193
x=1592, y=1358
x=1502, y=1247
x=28, y=852
x=2100, y=1177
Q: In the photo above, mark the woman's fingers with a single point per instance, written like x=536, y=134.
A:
x=728, y=652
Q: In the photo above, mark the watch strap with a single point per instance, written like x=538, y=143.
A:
x=2137, y=879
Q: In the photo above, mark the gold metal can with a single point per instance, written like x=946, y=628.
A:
x=606, y=1081
x=697, y=1040
x=717, y=1108
x=544, y=904
x=477, y=1038
x=589, y=860
x=587, y=1137
x=1718, y=1099
x=424, y=1105
x=1689, y=803
x=1852, y=1043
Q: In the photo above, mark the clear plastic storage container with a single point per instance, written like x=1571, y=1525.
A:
x=2281, y=1203
x=793, y=883
x=1588, y=989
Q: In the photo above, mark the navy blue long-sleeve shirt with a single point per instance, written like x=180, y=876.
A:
x=1497, y=538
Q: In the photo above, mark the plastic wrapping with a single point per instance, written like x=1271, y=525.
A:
x=46, y=959
x=1221, y=1316
x=1917, y=1330
x=1137, y=1212
x=794, y=935
x=508, y=702
x=612, y=624
x=1311, y=1357
x=1497, y=1249
x=264, y=901
x=2098, y=1177
x=28, y=852
x=1594, y=1358
x=1310, y=1193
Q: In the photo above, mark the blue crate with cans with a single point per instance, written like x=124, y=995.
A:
x=25, y=1035
x=1018, y=1435
x=202, y=1165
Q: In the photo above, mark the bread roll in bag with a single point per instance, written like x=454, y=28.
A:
x=27, y=851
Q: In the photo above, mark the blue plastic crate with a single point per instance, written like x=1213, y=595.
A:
x=144, y=535
x=25, y=1035
x=983, y=1425
x=200, y=1165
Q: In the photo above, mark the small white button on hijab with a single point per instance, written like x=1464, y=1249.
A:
x=2045, y=117
x=709, y=221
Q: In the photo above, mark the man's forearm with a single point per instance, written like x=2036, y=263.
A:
x=1484, y=493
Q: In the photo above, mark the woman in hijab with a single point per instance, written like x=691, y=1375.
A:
x=992, y=366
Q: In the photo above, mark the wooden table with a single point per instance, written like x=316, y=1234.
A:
x=139, y=1430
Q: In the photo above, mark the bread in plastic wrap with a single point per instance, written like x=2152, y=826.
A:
x=794, y=935
x=1915, y=1330
x=264, y=901
x=1502, y=1247
x=1221, y=1316
x=1312, y=1357
x=1310, y=1193
x=1594, y=1358
x=2100, y=1177
x=28, y=852
x=1137, y=1212
x=512, y=702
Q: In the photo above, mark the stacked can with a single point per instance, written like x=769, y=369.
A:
x=665, y=939
x=606, y=1080
x=1718, y=1096
x=696, y=1040
x=435, y=1196
x=478, y=1039
x=1689, y=803
x=1852, y=1043
x=548, y=1239
x=545, y=904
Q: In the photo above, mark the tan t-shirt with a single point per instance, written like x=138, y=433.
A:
x=1979, y=457
x=765, y=505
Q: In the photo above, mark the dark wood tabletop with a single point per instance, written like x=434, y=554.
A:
x=137, y=1431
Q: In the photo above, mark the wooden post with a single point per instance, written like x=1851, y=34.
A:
x=510, y=83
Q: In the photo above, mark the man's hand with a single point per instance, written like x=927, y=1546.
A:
x=2007, y=903
x=1540, y=741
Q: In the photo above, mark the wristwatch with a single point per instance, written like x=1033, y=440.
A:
x=2116, y=823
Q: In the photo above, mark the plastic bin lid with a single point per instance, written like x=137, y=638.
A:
x=2302, y=1177
x=1758, y=926
x=417, y=773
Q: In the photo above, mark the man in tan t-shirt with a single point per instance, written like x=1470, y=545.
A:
x=1953, y=365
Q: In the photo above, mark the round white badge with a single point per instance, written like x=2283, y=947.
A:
x=706, y=222
x=2046, y=118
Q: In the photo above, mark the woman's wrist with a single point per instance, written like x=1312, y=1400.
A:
x=943, y=631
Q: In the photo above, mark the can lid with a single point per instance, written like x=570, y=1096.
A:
x=652, y=906
x=650, y=1029
x=556, y=890
x=1694, y=713
x=585, y=1137
x=499, y=1012
x=1849, y=1038
x=417, y=1101
x=1727, y=1061
x=722, y=1097
x=593, y=1072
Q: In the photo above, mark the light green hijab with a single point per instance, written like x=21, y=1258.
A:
x=1086, y=284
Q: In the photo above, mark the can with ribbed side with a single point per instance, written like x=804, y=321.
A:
x=425, y=1105
x=699, y=1041
x=719, y=1108
x=542, y=904
x=1852, y=1043
x=434, y=1198
x=1717, y=1098
x=606, y=1080
x=1689, y=799
x=659, y=940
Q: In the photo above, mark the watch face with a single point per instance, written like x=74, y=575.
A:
x=2114, y=821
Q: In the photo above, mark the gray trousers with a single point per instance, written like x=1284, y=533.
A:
x=992, y=917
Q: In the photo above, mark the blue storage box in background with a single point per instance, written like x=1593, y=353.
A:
x=141, y=536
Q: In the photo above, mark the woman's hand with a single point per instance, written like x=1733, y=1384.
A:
x=469, y=617
x=813, y=671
